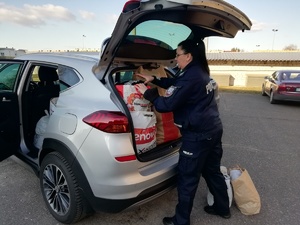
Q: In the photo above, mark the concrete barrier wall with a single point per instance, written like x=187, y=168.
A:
x=254, y=80
x=223, y=79
x=243, y=75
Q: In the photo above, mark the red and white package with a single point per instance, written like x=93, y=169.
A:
x=166, y=129
x=145, y=130
x=133, y=98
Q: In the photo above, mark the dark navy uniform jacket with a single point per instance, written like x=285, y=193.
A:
x=190, y=96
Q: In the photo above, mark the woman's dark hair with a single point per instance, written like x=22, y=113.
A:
x=197, y=50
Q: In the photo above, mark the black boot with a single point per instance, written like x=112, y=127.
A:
x=168, y=221
x=211, y=210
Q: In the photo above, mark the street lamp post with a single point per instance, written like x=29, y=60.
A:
x=274, y=30
x=83, y=36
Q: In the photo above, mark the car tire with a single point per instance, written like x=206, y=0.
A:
x=272, y=100
x=263, y=92
x=60, y=190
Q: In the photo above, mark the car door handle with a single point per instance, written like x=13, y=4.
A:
x=5, y=100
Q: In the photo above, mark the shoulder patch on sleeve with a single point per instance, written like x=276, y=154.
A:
x=209, y=87
x=171, y=90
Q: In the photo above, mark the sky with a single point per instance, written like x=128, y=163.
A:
x=36, y=25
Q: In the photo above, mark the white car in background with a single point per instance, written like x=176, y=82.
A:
x=85, y=147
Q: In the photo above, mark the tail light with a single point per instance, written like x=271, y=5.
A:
x=281, y=88
x=108, y=121
x=131, y=5
x=288, y=87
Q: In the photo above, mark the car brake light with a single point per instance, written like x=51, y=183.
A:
x=131, y=5
x=281, y=87
x=108, y=121
x=125, y=158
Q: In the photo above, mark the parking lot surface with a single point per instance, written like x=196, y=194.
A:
x=259, y=136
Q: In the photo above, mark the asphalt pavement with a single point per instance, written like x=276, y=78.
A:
x=260, y=137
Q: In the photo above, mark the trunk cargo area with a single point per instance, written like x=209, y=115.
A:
x=155, y=133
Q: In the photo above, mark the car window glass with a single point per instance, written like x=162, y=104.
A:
x=34, y=78
x=162, y=33
x=295, y=75
x=284, y=76
x=126, y=76
x=8, y=75
x=123, y=76
x=275, y=76
x=67, y=77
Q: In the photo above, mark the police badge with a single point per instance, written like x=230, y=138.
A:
x=170, y=91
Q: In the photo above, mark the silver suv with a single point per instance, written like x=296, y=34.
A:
x=78, y=121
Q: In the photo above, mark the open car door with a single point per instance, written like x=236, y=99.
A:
x=9, y=108
x=153, y=27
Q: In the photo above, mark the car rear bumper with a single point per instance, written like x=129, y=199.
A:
x=118, y=205
x=295, y=96
x=112, y=186
x=114, y=205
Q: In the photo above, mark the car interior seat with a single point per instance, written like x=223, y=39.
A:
x=48, y=88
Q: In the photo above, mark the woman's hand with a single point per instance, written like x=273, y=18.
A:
x=141, y=88
x=147, y=78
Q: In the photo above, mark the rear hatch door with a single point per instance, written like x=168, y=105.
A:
x=196, y=19
x=148, y=32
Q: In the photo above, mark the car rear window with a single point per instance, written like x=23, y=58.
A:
x=290, y=75
x=295, y=76
x=161, y=33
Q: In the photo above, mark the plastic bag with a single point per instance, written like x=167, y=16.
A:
x=145, y=130
x=166, y=129
x=40, y=129
x=134, y=100
x=210, y=197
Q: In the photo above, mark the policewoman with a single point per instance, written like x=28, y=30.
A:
x=190, y=96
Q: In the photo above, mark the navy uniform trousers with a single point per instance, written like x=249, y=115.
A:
x=200, y=155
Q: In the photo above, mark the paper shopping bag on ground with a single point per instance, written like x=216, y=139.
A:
x=245, y=194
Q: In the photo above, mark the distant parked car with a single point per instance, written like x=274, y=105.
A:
x=91, y=152
x=282, y=85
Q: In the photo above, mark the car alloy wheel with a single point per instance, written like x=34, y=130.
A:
x=56, y=189
x=60, y=189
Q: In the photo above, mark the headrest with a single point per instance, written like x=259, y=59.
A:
x=47, y=74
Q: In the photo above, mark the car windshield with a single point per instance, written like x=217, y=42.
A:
x=162, y=33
